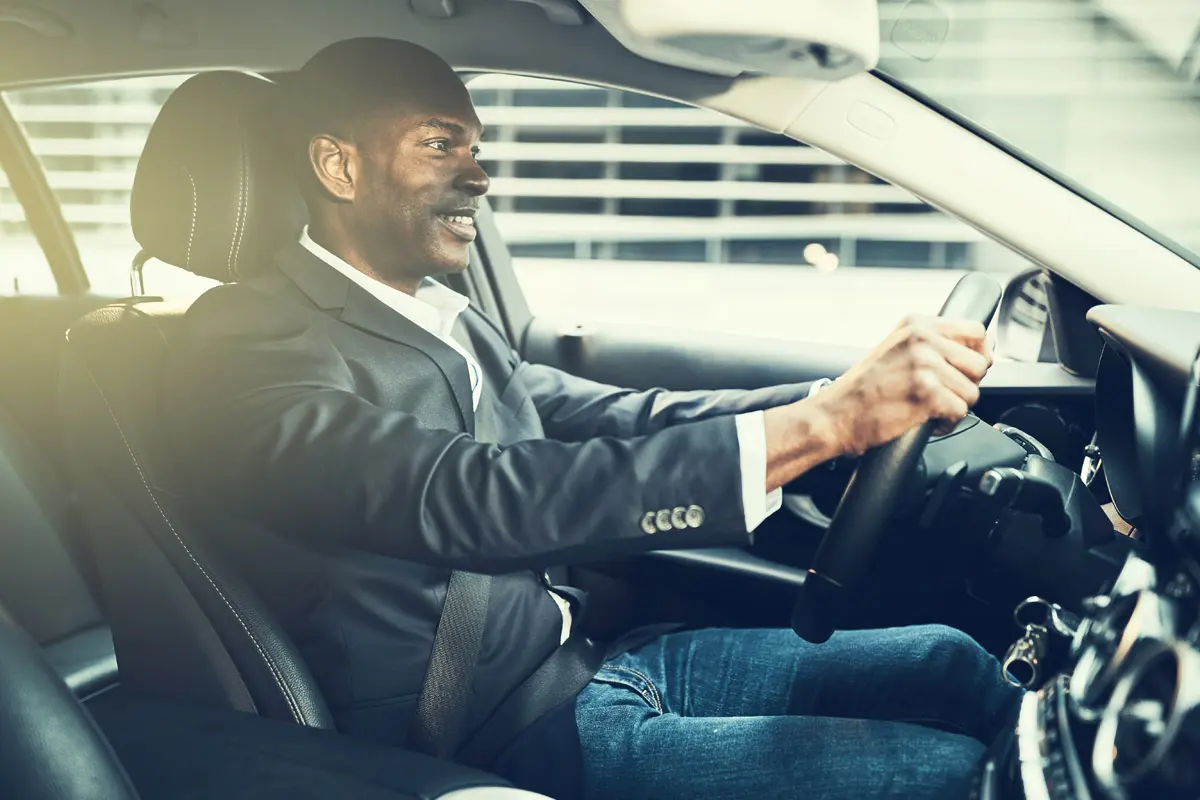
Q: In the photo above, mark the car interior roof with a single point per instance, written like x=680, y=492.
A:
x=108, y=38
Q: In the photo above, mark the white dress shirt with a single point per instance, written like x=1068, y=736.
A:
x=436, y=308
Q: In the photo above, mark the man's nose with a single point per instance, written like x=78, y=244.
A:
x=473, y=180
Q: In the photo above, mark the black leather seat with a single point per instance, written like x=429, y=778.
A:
x=40, y=580
x=52, y=749
x=211, y=197
x=49, y=747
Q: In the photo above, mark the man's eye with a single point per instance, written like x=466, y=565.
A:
x=440, y=144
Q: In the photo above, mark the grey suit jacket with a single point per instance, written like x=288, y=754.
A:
x=340, y=438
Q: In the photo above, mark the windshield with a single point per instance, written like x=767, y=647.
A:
x=1103, y=92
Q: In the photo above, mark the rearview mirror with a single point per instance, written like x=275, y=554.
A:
x=823, y=39
x=1023, y=319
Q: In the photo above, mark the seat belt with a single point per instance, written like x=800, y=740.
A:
x=437, y=723
x=560, y=678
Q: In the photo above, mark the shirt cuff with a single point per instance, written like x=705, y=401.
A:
x=757, y=503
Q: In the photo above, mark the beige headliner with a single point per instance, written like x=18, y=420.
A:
x=908, y=144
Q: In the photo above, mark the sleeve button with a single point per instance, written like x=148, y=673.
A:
x=663, y=520
x=679, y=518
x=694, y=516
x=648, y=522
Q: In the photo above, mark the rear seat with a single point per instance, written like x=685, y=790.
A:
x=40, y=584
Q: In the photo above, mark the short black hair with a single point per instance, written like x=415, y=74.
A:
x=346, y=85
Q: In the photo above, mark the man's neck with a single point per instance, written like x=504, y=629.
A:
x=341, y=247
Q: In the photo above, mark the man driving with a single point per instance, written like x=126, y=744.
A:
x=410, y=479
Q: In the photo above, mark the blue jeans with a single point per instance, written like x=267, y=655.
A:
x=897, y=713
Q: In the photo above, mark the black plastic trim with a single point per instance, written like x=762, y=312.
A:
x=738, y=562
x=1075, y=340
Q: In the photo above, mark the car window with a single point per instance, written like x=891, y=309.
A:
x=1105, y=93
x=23, y=266
x=619, y=207
x=88, y=137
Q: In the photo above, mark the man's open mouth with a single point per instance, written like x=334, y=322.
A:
x=462, y=224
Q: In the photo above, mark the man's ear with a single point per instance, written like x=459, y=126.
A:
x=335, y=163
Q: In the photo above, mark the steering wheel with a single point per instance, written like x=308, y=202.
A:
x=858, y=523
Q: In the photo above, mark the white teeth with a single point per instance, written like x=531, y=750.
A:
x=461, y=219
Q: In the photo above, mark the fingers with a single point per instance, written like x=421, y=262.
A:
x=941, y=391
x=955, y=379
x=969, y=334
x=971, y=364
x=965, y=332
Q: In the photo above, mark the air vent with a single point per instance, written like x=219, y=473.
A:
x=1107, y=641
x=1149, y=736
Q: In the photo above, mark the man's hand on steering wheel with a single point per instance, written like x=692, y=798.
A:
x=885, y=409
x=927, y=368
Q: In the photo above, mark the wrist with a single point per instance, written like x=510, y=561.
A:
x=821, y=424
x=799, y=437
x=812, y=433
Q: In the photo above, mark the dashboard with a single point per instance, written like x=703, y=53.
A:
x=1121, y=719
x=1147, y=429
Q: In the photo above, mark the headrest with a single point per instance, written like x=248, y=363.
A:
x=213, y=193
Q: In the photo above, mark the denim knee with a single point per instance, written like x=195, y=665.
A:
x=970, y=676
x=954, y=648
x=952, y=656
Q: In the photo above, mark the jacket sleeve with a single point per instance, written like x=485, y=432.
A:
x=266, y=411
x=575, y=409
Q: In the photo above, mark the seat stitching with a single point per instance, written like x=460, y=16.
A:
x=244, y=208
x=192, y=234
x=293, y=705
x=236, y=221
x=237, y=225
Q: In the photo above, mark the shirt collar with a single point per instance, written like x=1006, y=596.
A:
x=435, y=307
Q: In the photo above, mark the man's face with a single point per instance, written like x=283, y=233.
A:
x=418, y=191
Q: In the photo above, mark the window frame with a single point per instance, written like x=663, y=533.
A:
x=42, y=210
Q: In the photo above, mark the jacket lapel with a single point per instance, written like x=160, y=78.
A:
x=333, y=292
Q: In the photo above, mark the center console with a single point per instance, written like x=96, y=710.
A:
x=1122, y=720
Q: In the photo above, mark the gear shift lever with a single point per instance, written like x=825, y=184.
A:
x=1016, y=490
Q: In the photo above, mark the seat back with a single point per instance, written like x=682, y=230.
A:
x=43, y=563
x=39, y=583
x=185, y=624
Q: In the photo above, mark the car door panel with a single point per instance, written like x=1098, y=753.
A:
x=646, y=357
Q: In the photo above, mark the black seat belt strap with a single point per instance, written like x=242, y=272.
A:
x=438, y=721
x=560, y=677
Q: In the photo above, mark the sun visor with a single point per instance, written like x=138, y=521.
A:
x=822, y=39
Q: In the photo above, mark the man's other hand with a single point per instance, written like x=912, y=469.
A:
x=928, y=368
